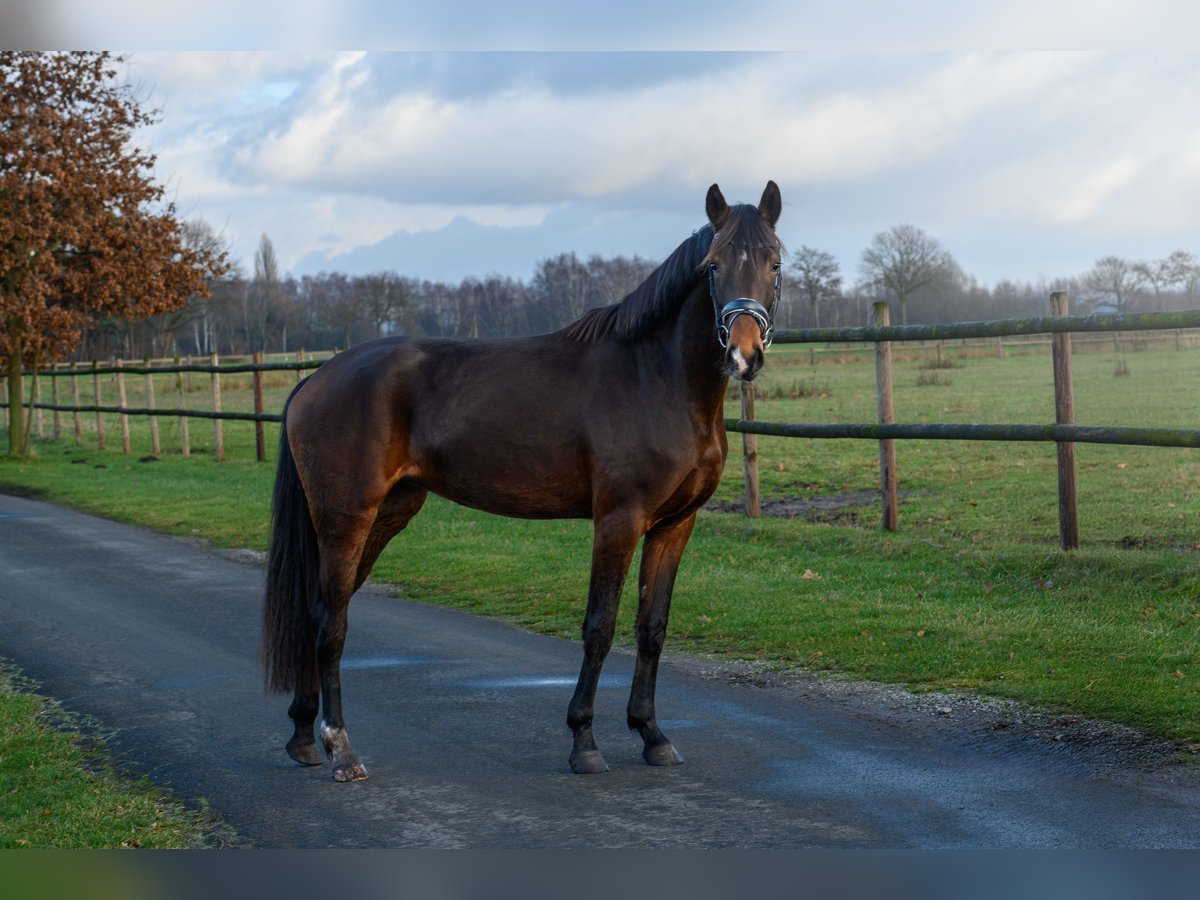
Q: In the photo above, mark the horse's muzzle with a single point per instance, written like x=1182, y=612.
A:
x=742, y=367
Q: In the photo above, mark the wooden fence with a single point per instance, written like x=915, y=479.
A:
x=1063, y=432
x=214, y=368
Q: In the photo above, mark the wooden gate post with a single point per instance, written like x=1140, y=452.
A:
x=1064, y=414
x=218, y=432
x=185, y=446
x=35, y=397
x=886, y=416
x=155, y=444
x=75, y=401
x=125, y=447
x=750, y=452
x=99, y=415
x=54, y=399
x=259, y=441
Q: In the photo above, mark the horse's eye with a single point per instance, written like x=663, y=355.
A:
x=714, y=268
x=776, y=266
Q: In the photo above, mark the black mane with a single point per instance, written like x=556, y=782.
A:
x=661, y=294
x=652, y=300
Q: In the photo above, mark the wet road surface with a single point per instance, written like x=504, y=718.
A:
x=461, y=723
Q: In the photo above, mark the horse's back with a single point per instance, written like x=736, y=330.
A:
x=497, y=425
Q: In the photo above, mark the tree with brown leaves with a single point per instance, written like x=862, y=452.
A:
x=84, y=232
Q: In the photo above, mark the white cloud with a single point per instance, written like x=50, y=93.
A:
x=329, y=151
x=533, y=142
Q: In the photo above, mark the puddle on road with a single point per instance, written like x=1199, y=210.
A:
x=383, y=662
x=541, y=681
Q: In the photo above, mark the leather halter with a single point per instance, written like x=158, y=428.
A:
x=742, y=306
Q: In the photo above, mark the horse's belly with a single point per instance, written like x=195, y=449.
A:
x=521, y=501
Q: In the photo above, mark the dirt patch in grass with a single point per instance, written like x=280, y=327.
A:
x=811, y=508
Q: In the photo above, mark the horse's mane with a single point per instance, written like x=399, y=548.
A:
x=662, y=293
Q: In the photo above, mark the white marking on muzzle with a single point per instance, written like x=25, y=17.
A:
x=740, y=360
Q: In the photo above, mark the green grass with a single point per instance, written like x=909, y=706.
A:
x=971, y=594
x=58, y=790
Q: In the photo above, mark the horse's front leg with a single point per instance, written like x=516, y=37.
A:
x=661, y=553
x=615, y=538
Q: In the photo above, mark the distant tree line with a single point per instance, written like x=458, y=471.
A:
x=263, y=310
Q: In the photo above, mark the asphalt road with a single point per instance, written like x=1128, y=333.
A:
x=460, y=722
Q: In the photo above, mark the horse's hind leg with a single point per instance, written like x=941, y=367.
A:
x=661, y=553
x=303, y=713
x=337, y=584
x=345, y=565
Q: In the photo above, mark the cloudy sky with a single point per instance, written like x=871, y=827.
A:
x=441, y=156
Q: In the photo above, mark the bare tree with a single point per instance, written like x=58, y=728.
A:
x=264, y=296
x=1184, y=271
x=1114, y=281
x=903, y=260
x=384, y=298
x=1158, y=274
x=562, y=288
x=818, y=279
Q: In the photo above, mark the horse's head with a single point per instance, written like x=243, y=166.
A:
x=743, y=266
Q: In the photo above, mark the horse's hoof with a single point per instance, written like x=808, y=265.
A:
x=588, y=762
x=662, y=755
x=351, y=771
x=306, y=754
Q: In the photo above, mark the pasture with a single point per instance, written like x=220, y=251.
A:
x=972, y=593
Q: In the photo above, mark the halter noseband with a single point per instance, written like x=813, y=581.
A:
x=741, y=306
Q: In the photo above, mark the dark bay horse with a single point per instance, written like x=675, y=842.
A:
x=617, y=418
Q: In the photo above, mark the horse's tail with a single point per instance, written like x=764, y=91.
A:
x=289, y=634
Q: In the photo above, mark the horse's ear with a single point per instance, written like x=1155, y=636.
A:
x=716, y=207
x=770, y=206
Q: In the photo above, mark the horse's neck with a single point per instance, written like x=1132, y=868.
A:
x=701, y=357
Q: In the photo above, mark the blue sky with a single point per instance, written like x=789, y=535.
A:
x=1026, y=155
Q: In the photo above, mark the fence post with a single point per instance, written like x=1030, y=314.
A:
x=99, y=415
x=155, y=446
x=35, y=397
x=218, y=432
x=125, y=448
x=75, y=402
x=1064, y=414
x=750, y=452
x=185, y=446
x=886, y=415
x=54, y=400
x=259, y=441
x=299, y=365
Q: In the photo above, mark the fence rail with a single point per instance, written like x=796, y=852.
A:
x=1080, y=434
x=214, y=368
x=1064, y=433
x=1158, y=321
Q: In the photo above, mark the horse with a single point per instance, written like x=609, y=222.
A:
x=615, y=418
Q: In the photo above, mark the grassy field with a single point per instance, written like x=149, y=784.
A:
x=972, y=593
